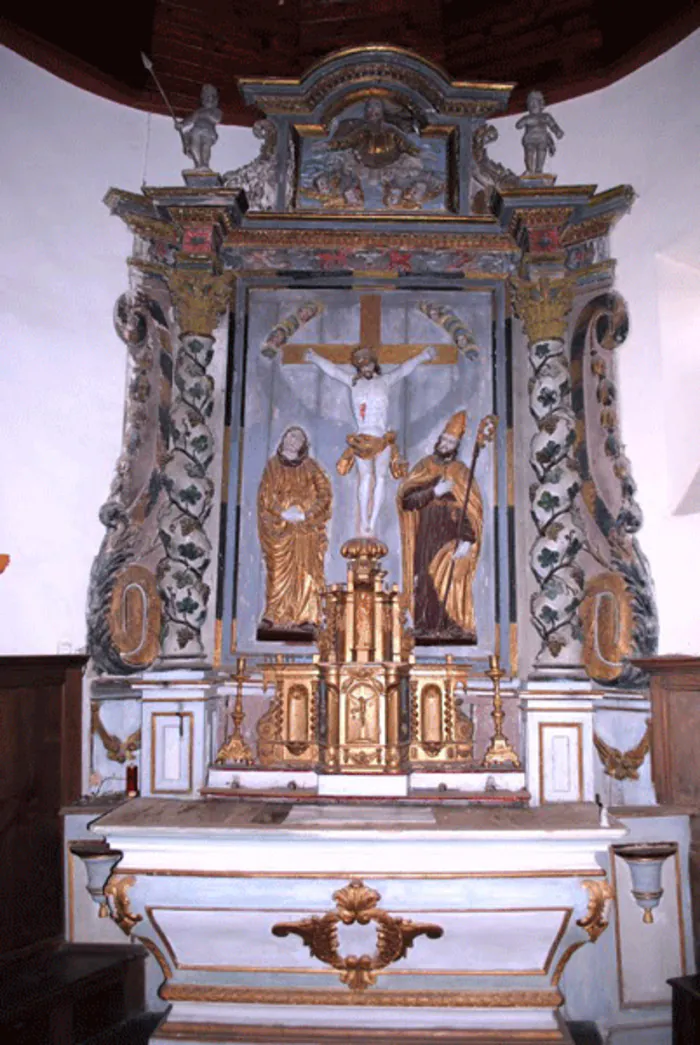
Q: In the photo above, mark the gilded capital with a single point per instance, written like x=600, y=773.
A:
x=543, y=305
x=199, y=299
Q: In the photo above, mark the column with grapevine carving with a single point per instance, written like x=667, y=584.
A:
x=199, y=299
x=542, y=304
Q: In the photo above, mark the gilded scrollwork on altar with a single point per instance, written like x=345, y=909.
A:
x=357, y=902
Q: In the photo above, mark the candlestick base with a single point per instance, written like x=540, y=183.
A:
x=499, y=752
x=235, y=750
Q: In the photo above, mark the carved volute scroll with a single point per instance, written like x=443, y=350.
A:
x=124, y=608
x=618, y=612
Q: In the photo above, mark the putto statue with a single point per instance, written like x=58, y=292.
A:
x=294, y=508
x=198, y=130
x=537, y=140
x=373, y=446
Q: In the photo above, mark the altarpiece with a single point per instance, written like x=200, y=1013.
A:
x=370, y=573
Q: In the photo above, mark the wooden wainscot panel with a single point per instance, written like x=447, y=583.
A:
x=675, y=703
x=40, y=748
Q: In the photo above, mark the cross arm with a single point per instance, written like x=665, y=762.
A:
x=409, y=365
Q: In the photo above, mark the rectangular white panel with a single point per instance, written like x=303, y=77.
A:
x=561, y=769
x=171, y=752
x=473, y=942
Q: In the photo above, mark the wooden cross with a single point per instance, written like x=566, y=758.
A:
x=370, y=337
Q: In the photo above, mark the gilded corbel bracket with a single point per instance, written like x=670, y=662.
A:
x=594, y=922
x=356, y=903
x=117, y=889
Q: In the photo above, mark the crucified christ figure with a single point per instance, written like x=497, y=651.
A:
x=372, y=445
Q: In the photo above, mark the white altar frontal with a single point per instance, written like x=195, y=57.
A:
x=366, y=741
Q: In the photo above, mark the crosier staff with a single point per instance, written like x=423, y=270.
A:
x=485, y=434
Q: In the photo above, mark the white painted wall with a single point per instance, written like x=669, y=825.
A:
x=62, y=367
x=63, y=265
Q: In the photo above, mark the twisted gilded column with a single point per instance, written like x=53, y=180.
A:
x=543, y=304
x=199, y=298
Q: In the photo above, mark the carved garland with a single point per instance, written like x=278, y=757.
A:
x=356, y=903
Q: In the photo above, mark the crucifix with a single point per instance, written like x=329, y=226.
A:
x=370, y=337
x=372, y=446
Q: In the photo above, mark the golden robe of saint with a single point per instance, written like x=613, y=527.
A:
x=436, y=559
x=294, y=507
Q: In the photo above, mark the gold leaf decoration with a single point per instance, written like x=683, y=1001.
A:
x=357, y=903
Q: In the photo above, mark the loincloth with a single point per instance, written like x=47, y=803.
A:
x=367, y=447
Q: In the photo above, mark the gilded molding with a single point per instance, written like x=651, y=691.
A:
x=592, y=228
x=371, y=239
x=117, y=889
x=623, y=765
x=539, y=218
x=333, y=876
x=536, y=999
x=543, y=305
x=199, y=299
x=155, y=950
x=150, y=228
x=272, y=1034
x=356, y=903
x=383, y=69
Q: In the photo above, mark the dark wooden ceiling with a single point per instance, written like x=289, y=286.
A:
x=564, y=47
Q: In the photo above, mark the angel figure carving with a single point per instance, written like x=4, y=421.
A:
x=377, y=139
x=623, y=765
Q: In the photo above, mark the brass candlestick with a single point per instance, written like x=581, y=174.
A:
x=499, y=751
x=235, y=748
